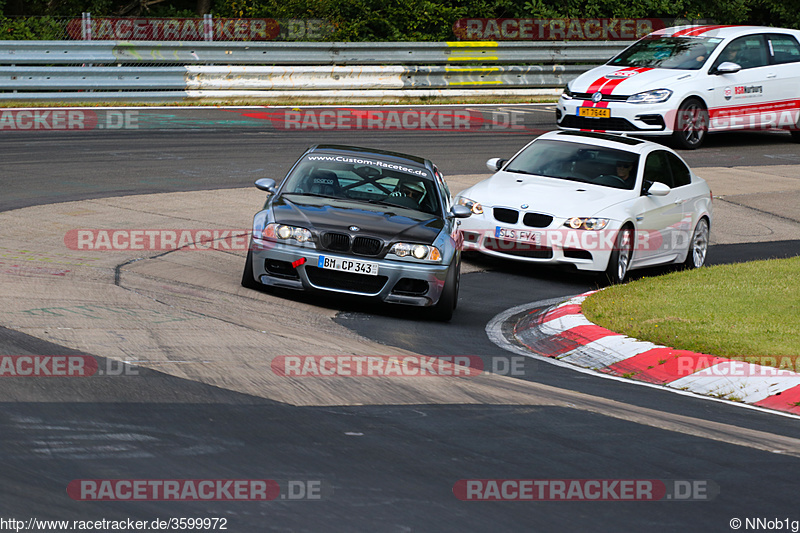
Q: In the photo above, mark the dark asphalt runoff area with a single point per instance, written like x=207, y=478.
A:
x=383, y=468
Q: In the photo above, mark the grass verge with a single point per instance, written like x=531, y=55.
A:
x=736, y=311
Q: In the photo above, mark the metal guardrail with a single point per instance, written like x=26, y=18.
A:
x=55, y=52
x=285, y=53
x=91, y=78
x=106, y=69
x=281, y=78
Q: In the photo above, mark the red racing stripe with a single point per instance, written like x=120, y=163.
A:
x=691, y=31
x=610, y=86
x=694, y=32
x=700, y=31
x=597, y=84
x=762, y=107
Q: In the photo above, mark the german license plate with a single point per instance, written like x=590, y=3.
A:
x=594, y=112
x=348, y=265
x=523, y=235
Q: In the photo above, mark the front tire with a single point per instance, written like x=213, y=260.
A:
x=620, y=260
x=448, y=301
x=698, y=247
x=691, y=124
x=248, y=278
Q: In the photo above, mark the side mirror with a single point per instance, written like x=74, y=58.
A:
x=658, y=189
x=460, y=211
x=266, y=184
x=495, y=164
x=727, y=67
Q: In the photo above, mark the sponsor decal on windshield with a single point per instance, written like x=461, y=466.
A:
x=370, y=162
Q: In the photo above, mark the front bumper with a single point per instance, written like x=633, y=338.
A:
x=557, y=245
x=639, y=119
x=401, y=282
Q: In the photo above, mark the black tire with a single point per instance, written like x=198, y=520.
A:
x=443, y=310
x=691, y=124
x=796, y=136
x=698, y=246
x=248, y=278
x=620, y=260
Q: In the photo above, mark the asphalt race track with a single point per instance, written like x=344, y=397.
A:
x=383, y=467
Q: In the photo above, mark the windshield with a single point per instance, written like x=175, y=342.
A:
x=686, y=53
x=584, y=163
x=364, y=180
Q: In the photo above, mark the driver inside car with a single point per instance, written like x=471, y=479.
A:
x=624, y=171
x=413, y=190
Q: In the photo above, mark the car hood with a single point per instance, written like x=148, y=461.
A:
x=628, y=81
x=390, y=223
x=559, y=198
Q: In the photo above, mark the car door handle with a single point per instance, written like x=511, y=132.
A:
x=772, y=76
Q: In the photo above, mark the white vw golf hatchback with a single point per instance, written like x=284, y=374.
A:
x=687, y=81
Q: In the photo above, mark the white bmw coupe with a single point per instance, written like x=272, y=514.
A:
x=591, y=201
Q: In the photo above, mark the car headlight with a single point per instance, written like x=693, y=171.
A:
x=282, y=232
x=650, y=97
x=589, y=223
x=422, y=252
x=472, y=205
x=567, y=94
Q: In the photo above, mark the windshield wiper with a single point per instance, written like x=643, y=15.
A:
x=315, y=194
x=515, y=171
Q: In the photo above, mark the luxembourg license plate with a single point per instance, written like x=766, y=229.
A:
x=594, y=112
x=348, y=265
x=534, y=237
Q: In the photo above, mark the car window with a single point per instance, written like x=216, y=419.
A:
x=680, y=172
x=364, y=180
x=748, y=52
x=657, y=168
x=444, y=189
x=784, y=49
x=687, y=53
x=585, y=163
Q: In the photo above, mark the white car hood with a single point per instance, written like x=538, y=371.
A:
x=560, y=198
x=628, y=81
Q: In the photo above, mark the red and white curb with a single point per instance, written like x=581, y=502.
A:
x=563, y=333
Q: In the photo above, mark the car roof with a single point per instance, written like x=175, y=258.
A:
x=383, y=154
x=606, y=140
x=719, y=31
